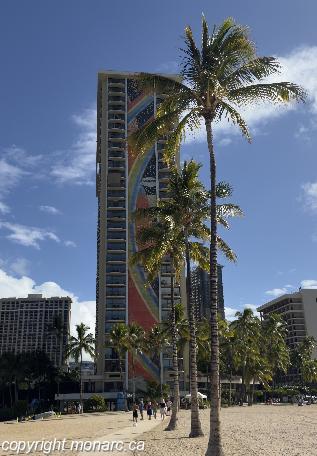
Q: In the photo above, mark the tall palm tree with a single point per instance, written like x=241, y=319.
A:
x=175, y=222
x=302, y=360
x=157, y=243
x=218, y=79
x=155, y=342
x=118, y=340
x=83, y=342
x=135, y=345
x=274, y=331
x=247, y=348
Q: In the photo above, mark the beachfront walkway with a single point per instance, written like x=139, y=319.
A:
x=86, y=428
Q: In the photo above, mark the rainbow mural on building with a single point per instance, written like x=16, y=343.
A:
x=142, y=192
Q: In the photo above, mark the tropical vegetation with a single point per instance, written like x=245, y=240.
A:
x=217, y=80
x=83, y=342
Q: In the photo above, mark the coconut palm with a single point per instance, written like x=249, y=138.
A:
x=157, y=243
x=155, y=342
x=247, y=348
x=218, y=79
x=118, y=340
x=135, y=345
x=175, y=222
x=302, y=360
x=83, y=342
x=274, y=331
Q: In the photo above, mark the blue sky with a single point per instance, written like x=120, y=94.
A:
x=50, y=55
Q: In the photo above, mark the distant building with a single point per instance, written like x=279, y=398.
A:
x=299, y=310
x=87, y=367
x=35, y=323
x=201, y=292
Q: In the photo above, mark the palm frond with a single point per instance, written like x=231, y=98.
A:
x=276, y=92
x=254, y=70
x=143, y=139
x=223, y=190
x=159, y=83
x=199, y=254
x=174, y=140
x=229, y=210
x=229, y=112
x=226, y=250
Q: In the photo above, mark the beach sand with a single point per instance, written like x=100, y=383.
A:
x=284, y=430
x=259, y=430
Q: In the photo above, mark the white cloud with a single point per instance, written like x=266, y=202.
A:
x=79, y=165
x=253, y=307
x=28, y=236
x=50, y=210
x=308, y=283
x=10, y=175
x=14, y=165
x=310, y=195
x=230, y=313
x=275, y=292
x=224, y=142
x=82, y=311
x=20, y=156
x=20, y=266
x=300, y=67
x=4, y=208
x=70, y=244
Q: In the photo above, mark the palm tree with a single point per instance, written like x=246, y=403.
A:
x=174, y=223
x=135, y=344
x=58, y=329
x=274, y=331
x=118, y=340
x=155, y=342
x=158, y=242
x=302, y=360
x=77, y=346
x=218, y=79
x=247, y=348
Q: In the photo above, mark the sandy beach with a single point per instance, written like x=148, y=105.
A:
x=258, y=430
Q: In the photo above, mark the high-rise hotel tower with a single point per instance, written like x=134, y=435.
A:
x=125, y=181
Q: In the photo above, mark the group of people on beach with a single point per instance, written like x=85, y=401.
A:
x=151, y=408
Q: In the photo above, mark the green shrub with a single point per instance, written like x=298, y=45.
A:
x=95, y=403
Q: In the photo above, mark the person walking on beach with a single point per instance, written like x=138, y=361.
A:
x=169, y=404
x=162, y=409
x=154, y=409
x=149, y=410
x=135, y=414
x=141, y=408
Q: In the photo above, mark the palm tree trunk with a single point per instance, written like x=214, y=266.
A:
x=81, y=383
x=16, y=396
x=133, y=378
x=160, y=372
x=10, y=394
x=173, y=421
x=230, y=388
x=195, y=430
x=123, y=384
x=214, y=443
